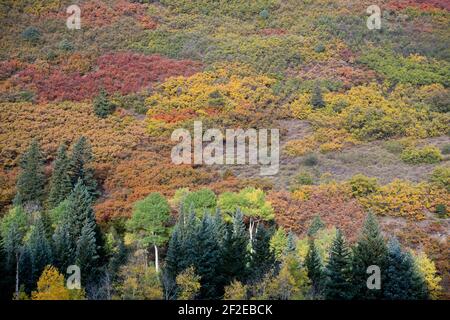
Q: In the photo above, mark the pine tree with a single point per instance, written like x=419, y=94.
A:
x=402, y=280
x=262, y=258
x=31, y=180
x=369, y=250
x=86, y=251
x=103, y=107
x=317, y=97
x=80, y=168
x=40, y=249
x=209, y=259
x=60, y=184
x=313, y=264
x=338, y=271
x=315, y=226
x=235, y=247
x=78, y=211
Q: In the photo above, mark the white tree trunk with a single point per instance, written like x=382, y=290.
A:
x=156, y=259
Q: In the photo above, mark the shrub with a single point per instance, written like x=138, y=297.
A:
x=362, y=186
x=65, y=45
x=302, y=179
x=317, y=98
x=428, y=154
x=441, y=177
x=31, y=34
x=310, y=160
x=446, y=149
x=441, y=210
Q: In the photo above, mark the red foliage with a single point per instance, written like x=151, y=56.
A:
x=8, y=68
x=334, y=208
x=123, y=72
x=421, y=4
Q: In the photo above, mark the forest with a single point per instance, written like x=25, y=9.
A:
x=93, y=208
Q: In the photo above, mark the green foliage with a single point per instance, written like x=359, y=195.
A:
x=14, y=227
x=188, y=284
x=149, y=221
x=315, y=226
x=446, y=148
x=31, y=180
x=200, y=201
x=262, y=258
x=338, y=271
x=362, y=186
x=314, y=265
x=441, y=177
x=86, y=254
x=427, y=154
x=302, y=179
x=103, y=107
x=80, y=166
x=317, y=98
x=402, y=278
x=60, y=183
x=278, y=243
x=31, y=34
x=369, y=250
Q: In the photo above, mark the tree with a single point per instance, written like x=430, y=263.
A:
x=317, y=98
x=402, y=279
x=369, y=250
x=262, y=258
x=77, y=214
x=278, y=243
x=40, y=249
x=235, y=250
x=149, y=223
x=235, y=291
x=201, y=201
x=51, y=286
x=291, y=246
x=60, y=183
x=338, y=271
x=314, y=266
x=86, y=251
x=31, y=180
x=14, y=227
x=80, y=168
x=315, y=226
x=188, y=284
x=428, y=270
x=103, y=107
x=209, y=258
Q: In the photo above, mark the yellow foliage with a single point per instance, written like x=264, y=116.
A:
x=428, y=270
x=51, y=286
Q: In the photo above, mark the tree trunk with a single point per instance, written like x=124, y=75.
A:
x=156, y=259
x=17, y=275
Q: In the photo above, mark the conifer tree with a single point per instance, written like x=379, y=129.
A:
x=315, y=226
x=31, y=180
x=402, y=279
x=209, y=259
x=86, y=251
x=314, y=266
x=262, y=258
x=80, y=168
x=40, y=249
x=235, y=249
x=338, y=271
x=317, y=97
x=60, y=184
x=369, y=250
x=291, y=246
x=103, y=107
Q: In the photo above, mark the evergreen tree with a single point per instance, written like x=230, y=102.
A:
x=40, y=249
x=338, y=270
x=317, y=97
x=31, y=180
x=262, y=258
x=209, y=259
x=315, y=226
x=86, y=251
x=80, y=168
x=313, y=264
x=103, y=107
x=235, y=247
x=402, y=280
x=60, y=184
x=291, y=246
x=78, y=213
x=369, y=250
